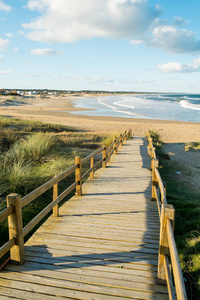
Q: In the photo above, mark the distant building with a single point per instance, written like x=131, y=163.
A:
x=21, y=93
x=2, y=91
x=31, y=93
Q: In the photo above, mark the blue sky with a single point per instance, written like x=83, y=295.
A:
x=132, y=45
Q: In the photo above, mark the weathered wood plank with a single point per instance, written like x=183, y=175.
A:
x=59, y=287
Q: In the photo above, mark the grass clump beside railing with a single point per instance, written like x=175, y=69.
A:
x=186, y=201
x=18, y=164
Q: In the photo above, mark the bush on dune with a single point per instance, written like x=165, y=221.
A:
x=19, y=162
x=37, y=146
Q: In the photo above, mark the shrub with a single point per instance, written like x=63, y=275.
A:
x=37, y=146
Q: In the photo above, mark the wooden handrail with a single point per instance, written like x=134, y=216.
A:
x=167, y=245
x=161, y=186
x=7, y=246
x=14, y=211
x=111, y=147
x=91, y=169
x=46, y=186
x=6, y=213
x=86, y=159
x=170, y=285
x=47, y=209
x=176, y=266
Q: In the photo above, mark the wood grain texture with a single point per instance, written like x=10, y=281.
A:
x=104, y=245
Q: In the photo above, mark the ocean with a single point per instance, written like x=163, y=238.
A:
x=174, y=107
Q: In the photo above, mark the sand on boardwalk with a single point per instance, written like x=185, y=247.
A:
x=57, y=110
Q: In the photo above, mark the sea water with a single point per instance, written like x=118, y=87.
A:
x=149, y=106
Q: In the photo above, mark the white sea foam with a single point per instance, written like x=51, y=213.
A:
x=123, y=104
x=154, y=106
x=186, y=104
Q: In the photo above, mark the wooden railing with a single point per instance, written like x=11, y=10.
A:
x=169, y=268
x=15, y=204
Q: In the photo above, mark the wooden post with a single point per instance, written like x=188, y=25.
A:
x=91, y=166
x=120, y=140
x=125, y=136
x=104, y=158
x=78, y=176
x=55, y=195
x=114, y=146
x=154, y=164
x=149, y=150
x=165, y=188
x=15, y=226
x=167, y=212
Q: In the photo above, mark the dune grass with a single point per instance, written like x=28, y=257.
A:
x=186, y=201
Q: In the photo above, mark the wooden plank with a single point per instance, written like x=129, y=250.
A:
x=103, y=235
x=86, y=250
x=93, y=280
x=62, y=288
x=94, y=243
x=102, y=260
x=47, y=268
x=127, y=257
x=8, y=293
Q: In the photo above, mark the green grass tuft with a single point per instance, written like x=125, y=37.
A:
x=194, y=146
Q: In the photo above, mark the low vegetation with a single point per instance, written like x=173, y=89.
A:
x=186, y=201
x=31, y=153
x=195, y=146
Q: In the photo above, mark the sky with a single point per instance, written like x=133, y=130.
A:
x=114, y=45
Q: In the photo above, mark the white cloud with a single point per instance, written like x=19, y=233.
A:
x=178, y=21
x=67, y=21
x=175, y=67
x=173, y=40
x=4, y=6
x=6, y=72
x=4, y=44
x=9, y=35
x=45, y=52
x=15, y=49
x=136, y=42
x=1, y=58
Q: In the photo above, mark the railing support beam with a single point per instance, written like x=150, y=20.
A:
x=104, y=158
x=121, y=140
x=167, y=212
x=15, y=226
x=91, y=166
x=55, y=195
x=154, y=164
x=114, y=146
x=78, y=176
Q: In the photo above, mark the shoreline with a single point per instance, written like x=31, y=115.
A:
x=58, y=110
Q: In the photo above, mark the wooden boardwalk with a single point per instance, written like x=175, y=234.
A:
x=104, y=245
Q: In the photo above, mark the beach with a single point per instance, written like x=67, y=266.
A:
x=59, y=110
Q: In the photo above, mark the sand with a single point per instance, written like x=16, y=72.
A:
x=59, y=110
